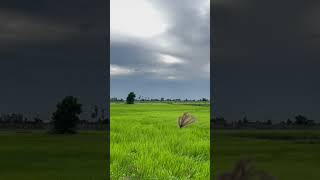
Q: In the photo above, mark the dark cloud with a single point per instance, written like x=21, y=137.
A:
x=49, y=50
x=46, y=20
x=265, y=58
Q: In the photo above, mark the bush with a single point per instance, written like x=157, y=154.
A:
x=66, y=116
x=130, y=98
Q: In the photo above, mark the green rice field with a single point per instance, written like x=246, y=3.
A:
x=146, y=142
x=285, y=154
x=39, y=156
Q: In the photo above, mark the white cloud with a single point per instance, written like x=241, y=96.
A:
x=171, y=77
x=170, y=60
x=116, y=70
x=205, y=8
x=136, y=18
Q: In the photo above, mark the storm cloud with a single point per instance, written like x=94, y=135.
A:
x=168, y=48
x=266, y=55
x=50, y=50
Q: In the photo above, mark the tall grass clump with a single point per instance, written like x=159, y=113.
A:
x=185, y=119
x=244, y=170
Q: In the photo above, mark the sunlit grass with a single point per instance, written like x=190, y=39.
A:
x=146, y=142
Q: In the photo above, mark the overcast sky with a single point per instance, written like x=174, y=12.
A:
x=266, y=58
x=160, y=48
x=266, y=54
x=51, y=49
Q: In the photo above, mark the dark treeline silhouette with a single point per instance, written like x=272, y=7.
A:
x=18, y=118
x=65, y=119
x=299, y=121
x=19, y=121
x=146, y=99
x=132, y=97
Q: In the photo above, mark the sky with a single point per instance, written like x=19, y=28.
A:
x=265, y=54
x=160, y=48
x=49, y=50
x=266, y=59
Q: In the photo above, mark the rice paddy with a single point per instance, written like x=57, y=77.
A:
x=146, y=142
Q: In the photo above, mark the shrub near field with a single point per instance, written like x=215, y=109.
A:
x=146, y=142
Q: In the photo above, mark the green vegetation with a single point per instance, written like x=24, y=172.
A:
x=39, y=155
x=285, y=154
x=130, y=98
x=146, y=142
x=66, y=117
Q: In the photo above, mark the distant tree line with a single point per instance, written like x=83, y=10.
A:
x=65, y=119
x=17, y=118
x=147, y=99
x=298, y=120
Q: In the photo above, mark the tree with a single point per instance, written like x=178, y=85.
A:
x=66, y=116
x=16, y=118
x=103, y=113
x=301, y=120
x=269, y=122
x=95, y=112
x=37, y=119
x=204, y=99
x=245, y=120
x=219, y=120
x=130, y=98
